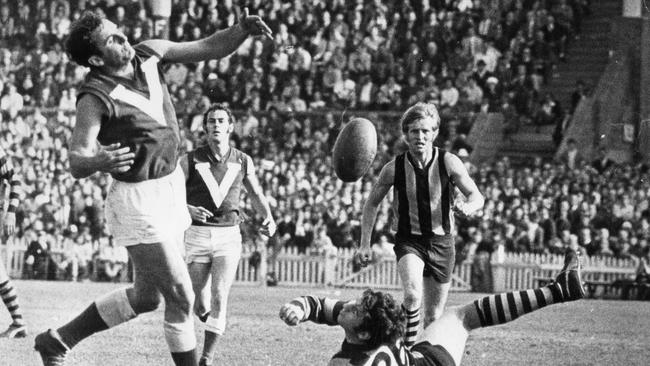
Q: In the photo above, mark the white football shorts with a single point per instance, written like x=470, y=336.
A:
x=152, y=211
x=202, y=243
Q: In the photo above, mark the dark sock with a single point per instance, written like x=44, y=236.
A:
x=209, y=345
x=502, y=308
x=185, y=358
x=83, y=326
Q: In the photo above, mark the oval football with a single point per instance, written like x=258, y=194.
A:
x=354, y=150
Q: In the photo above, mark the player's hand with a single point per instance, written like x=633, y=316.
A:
x=254, y=25
x=199, y=213
x=291, y=314
x=462, y=208
x=9, y=224
x=268, y=227
x=115, y=159
x=363, y=255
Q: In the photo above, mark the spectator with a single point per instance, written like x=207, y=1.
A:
x=602, y=161
x=602, y=247
x=11, y=102
x=549, y=113
x=81, y=257
x=492, y=95
x=571, y=156
x=382, y=249
x=448, y=95
x=578, y=95
x=481, y=75
x=322, y=244
x=37, y=257
x=473, y=94
x=111, y=261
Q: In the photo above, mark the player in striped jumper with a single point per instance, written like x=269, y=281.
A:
x=424, y=179
x=17, y=328
x=374, y=323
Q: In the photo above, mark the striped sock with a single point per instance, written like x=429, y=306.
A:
x=10, y=298
x=412, y=325
x=502, y=308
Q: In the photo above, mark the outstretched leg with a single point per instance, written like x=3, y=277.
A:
x=452, y=329
x=159, y=270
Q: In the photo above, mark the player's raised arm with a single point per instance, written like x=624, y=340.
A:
x=218, y=45
x=460, y=177
x=377, y=194
x=86, y=157
x=317, y=310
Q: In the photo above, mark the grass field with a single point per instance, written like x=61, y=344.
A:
x=588, y=332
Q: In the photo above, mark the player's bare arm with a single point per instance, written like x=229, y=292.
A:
x=86, y=156
x=260, y=203
x=218, y=45
x=377, y=194
x=474, y=200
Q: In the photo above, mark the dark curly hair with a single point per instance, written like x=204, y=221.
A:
x=218, y=107
x=79, y=44
x=418, y=111
x=384, y=319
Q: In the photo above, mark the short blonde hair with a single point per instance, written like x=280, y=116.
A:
x=419, y=111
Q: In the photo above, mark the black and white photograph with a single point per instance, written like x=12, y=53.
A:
x=324, y=182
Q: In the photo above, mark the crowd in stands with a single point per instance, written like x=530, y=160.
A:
x=374, y=55
x=327, y=58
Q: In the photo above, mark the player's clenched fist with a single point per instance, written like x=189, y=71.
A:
x=363, y=255
x=292, y=314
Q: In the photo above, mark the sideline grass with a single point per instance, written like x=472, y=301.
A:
x=589, y=332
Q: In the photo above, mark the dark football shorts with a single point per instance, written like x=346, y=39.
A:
x=438, y=253
x=426, y=354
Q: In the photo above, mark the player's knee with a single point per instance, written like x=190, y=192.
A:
x=181, y=297
x=145, y=304
x=180, y=335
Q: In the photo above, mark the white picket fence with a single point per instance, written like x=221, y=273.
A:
x=510, y=271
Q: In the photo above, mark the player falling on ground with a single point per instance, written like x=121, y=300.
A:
x=215, y=174
x=17, y=328
x=374, y=323
x=424, y=180
x=124, y=105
